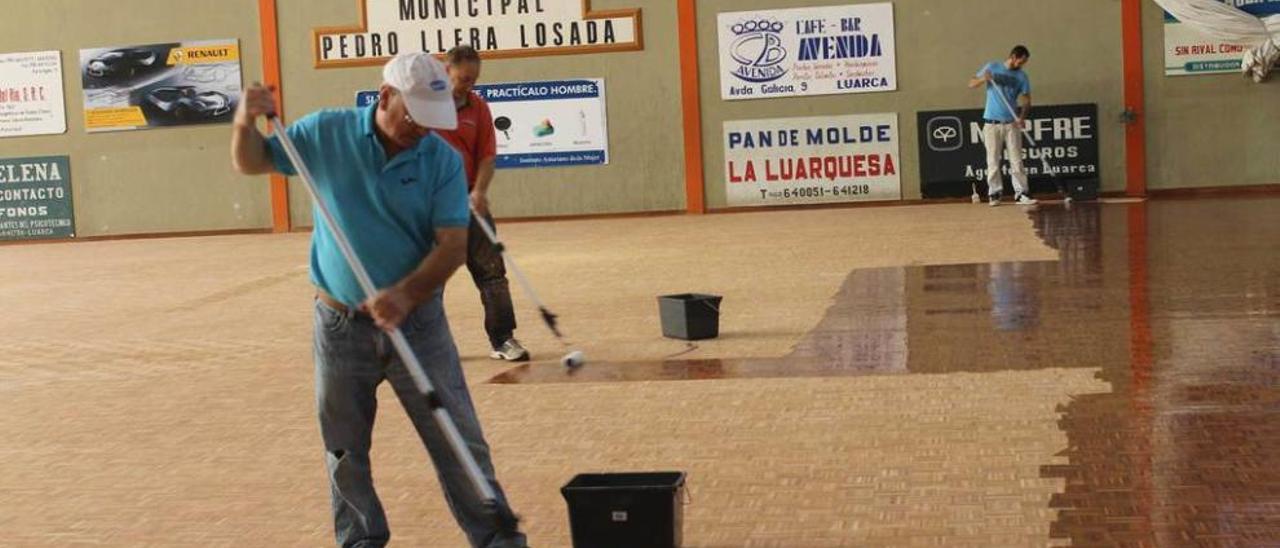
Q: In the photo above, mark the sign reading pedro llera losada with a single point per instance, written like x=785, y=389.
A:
x=35, y=198
x=497, y=28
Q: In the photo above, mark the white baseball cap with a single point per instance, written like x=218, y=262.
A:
x=424, y=85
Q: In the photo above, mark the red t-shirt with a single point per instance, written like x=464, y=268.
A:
x=474, y=139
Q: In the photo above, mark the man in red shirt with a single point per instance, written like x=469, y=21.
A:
x=475, y=140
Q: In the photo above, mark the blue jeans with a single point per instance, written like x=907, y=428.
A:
x=352, y=358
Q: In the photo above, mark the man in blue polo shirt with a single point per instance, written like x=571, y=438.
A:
x=400, y=194
x=1002, y=129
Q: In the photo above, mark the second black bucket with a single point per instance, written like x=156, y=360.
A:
x=690, y=316
x=628, y=510
x=1082, y=189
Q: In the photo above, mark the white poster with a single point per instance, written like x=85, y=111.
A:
x=31, y=98
x=549, y=124
x=807, y=51
x=160, y=85
x=1187, y=52
x=543, y=124
x=498, y=28
x=822, y=159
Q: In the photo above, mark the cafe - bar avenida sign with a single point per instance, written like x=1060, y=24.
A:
x=497, y=28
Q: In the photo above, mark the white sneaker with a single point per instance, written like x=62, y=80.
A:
x=993, y=200
x=1023, y=199
x=510, y=351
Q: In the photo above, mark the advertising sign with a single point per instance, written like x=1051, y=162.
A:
x=547, y=124
x=812, y=160
x=543, y=124
x=1187, y=52
x=807, y=51
x=157, y=85
x=31, y=98
x=953, y=157
x=35, y=198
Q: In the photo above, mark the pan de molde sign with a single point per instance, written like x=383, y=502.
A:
x=497, y=28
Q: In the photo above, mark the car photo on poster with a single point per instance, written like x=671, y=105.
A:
x=160, y=85
x=119, y=66
x=185, y=104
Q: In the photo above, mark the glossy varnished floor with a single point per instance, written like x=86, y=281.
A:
x=947, y=375
x=1177, y=304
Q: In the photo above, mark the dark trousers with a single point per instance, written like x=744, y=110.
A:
x=490, y=275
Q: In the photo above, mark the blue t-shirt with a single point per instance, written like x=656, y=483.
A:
x=1014, y=83
x=389, y=209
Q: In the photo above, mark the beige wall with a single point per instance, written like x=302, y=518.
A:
x=1210, y=130
x=646, y=158
x=1202, y=130
x=1075, y=49
x=157, y=180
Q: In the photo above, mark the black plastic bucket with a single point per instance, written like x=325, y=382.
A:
x=626, y=510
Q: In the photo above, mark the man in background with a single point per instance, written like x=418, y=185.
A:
x=1002, y=128
x=476, y=141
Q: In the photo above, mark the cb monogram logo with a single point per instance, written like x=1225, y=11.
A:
x=758, y=50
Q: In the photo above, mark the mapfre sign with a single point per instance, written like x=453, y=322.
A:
x=497, y=28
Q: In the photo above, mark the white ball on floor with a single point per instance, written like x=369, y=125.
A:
x=573, y=359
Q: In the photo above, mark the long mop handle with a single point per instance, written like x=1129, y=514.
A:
x=450, y=429
x=1044, y=162
x=1005, y=100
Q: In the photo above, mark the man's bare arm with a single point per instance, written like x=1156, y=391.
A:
x=248, y=146
x=980, y=80
x=391, y=306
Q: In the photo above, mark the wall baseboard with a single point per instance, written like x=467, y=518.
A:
x=838, y=205
x=1213, y=191
x=1156, y=194
x=144, y=236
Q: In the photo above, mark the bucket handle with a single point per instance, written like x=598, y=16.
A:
x=688, y=497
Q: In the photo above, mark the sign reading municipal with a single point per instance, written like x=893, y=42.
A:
x=35, y=198
x=953, y=157
x=496, y=28
x=822, y=159
x=1188, y=52
x=31, y=100
x=807, y=51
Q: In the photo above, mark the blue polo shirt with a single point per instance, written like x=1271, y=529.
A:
x=1015, y=83
x=389, y=208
